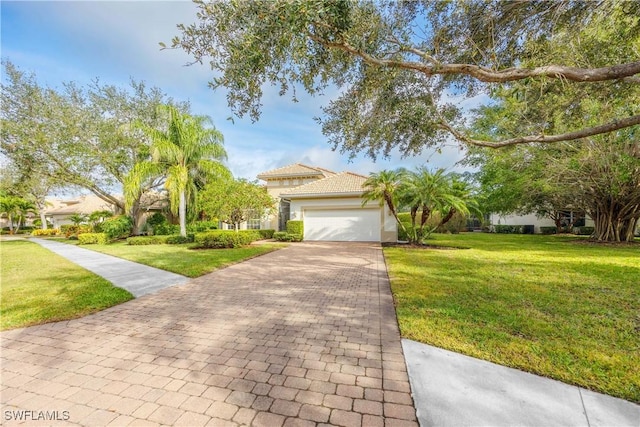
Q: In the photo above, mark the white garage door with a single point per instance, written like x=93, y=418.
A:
x=345, y=225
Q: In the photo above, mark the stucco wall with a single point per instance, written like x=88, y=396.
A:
x=529, y=219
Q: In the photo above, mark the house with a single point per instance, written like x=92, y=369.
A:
x=568, y=217
x=58, y=211
x=328, y=203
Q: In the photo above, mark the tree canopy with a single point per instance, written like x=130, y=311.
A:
x=400, y=65
x=83, y=137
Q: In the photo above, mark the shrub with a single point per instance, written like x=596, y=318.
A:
x=71, y=231
x=283, y=236
x=117, y=227
x=295, y=227
x=156, y=219
x=93, y=239
x=166, y=229
x=147, y=240
x=266, y=234
x=508, y=229
x=584, y=231
x=200, y=226
x=178, y=239
x=47, y=232
x=549, y=230
x=225, y=238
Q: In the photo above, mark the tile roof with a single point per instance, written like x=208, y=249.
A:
x=296, y=169
x=81, y=205
x=341, y=183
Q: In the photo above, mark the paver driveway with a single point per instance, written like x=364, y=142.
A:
x=300, y=336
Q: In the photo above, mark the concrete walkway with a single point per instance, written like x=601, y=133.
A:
x=303, y=336
x=454, y=390
x=136, y=278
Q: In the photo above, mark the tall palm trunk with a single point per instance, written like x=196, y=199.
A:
x=182, y=213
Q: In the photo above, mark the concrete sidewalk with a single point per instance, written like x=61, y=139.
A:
x=450, y=389
x=136, y=278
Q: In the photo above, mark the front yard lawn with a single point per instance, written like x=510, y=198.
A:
x=39, y=287
x=182, y=260
x=551, y=305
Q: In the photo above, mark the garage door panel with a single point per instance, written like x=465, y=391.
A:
x=348, y=225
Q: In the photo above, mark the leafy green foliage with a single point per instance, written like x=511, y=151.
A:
x=266, y=233
x=93, y=239
x=285, y=236
x=295, y=227
x=225, y=238
x=117, y=227
x=188, y=152
x=235, y=201
x=549, y=230
x=397, y=63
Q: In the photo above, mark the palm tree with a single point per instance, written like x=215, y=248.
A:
x=15, y=208
x=186, y=152
x=383, y=187
x=462, y=193
x=429, y=192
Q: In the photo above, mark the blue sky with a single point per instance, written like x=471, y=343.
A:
x=118, y=40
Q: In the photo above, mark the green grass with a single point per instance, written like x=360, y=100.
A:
x=39, y=287
x=182, y=260
x=552, y=305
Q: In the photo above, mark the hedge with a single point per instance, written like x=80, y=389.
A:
x=549, y=230
x=584, y=231
x=117, y=227
x=283, y=236
x=47, y=232
x=266, y=234
x=225, y=238
x=160, y=240
x=295, y=227
x=508, y=229
x=93, y=239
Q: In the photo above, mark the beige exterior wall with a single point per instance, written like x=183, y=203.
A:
x=529, y=219
x=277, y=186
x=388, y=232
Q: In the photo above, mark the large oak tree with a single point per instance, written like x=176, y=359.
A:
x=398, y=64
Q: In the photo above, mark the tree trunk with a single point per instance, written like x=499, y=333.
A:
x=182, y=213
x=448, y=217
x=610, y=226
x=43, y=220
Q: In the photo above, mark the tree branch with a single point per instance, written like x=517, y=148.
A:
x=489, y=75
x=569, y=136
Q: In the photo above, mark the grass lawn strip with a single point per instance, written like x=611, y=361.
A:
x=182, y=260
x=39, y=286
x=544, y=304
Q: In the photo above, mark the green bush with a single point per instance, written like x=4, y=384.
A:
x=584, y=231
x=508, y=229
x=283, y=236
x=147, y=240
x=225, y=238
x=200, y=226
x=549, y=230
x=156, y=219
x=178, y=239
x=166, y=229
x=266, y=234
x=117, y=227
x=93, y=239
x=295, y=227
x=47, y=232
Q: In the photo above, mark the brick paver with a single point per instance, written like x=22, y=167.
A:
x=304, y=335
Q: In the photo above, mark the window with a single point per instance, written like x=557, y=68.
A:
x=253, y=224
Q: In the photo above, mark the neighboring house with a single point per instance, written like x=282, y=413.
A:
x=578, y=220
x=328, y=203
x=58, y=211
